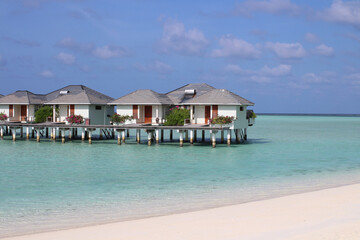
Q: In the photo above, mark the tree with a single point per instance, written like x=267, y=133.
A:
x=43, y=113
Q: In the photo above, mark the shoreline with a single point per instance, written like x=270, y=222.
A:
x=254, y=214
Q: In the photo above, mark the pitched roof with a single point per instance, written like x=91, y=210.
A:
x=178, y=95
x=143, y=96
x=23, y=97
x=1, y=95
x=219, y=97
x=77, y=94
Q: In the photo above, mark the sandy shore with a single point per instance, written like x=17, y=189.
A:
x=327, y=214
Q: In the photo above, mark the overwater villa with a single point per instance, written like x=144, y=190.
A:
x=80, y=100
x=21, y=105
x=206, y=106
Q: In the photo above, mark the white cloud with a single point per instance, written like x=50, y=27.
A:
x=73, y=45
x=287, y=50
x=177, y=39
x=343, y=12
x=233, y=47
x=355, y=78
x=265, y=75
x=110, y=51
x=281, y=70
x=324, y=50
x=3, y=62
x=65, y=58
x=47, y=74
x=275, y=7
x=156, y=66
x=310, y=37
x=317, y=78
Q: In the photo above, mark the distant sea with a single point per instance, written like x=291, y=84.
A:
x=48, y=185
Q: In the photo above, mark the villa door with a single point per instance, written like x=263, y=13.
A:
x=148, y=114
x=207, y=114
x=72, y=109
x=23, y=112
x=214, y=111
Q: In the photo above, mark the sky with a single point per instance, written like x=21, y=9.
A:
x=286, y=56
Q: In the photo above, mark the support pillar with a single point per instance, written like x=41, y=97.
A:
x=162, y=135
x=101, y=134
x=90, y=133
x=70, y=134
x=118, y=138
x=213, y=139
x=171, y=135
x=127, y=133
x=228, y=137
x=123, y=136
x=62, y=135
x=51, y=133
x=82, y=134
x=203, y=135
x=47, y=132
x=32, y=133
x=181, y=138
x=13, y=131
x=222, y=136
x=191, y=136
x=138, y=135
x=186, y=135
x=237, y=134
x=21, y=132
x=2, y=133
x=195, y=135
x=149, y=137
x=245, y=134
x=27, y=132
x=7, y=130
x=54, y=134
x=157, y=136
x=38, y=135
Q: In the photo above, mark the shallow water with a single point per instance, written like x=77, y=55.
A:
x=46, y=186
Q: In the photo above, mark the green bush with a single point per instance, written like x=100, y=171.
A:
x=43, y=113
x=117, y=118
x=177, y=116
x=253, y=115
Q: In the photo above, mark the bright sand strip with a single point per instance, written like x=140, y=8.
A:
x=326, y=214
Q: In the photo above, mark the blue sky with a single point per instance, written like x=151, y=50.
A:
x=286, y=56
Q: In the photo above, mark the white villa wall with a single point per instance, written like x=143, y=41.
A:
x=199, y=115
x=82, y=110
x=31, y=112
x=227, y=111
x=124, y=110
x=63, y=112
x=4, y=109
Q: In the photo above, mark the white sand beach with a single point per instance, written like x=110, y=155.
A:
x=326, y=214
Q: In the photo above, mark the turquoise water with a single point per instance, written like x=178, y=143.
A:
x=47, y=186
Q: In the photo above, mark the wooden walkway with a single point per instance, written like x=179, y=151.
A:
x=154, y=132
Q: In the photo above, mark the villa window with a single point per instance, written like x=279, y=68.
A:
x=97, y=107
x=241, y=109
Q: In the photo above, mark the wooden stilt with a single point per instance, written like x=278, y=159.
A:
x=90, y=133
x=38, y=135
x=138, y=135
x=101, y=134
x=27, y=133
x=7, y=130
x=191, y=136
x=127, y=133
x=228, y=137
x=13, y=131
x=162, y=135
x=123, y=136
x=222, y=136
x=245, y=134
x=237, y=134
x=62, y=135
x=70, y=134
x=186, y=135
x=32, y=133
x=47, y=132
x=82, y=134
x=171, y=135
x=181, y=138
x=195, y=135
x=213, y=139
x=21, y=132
x=2, y=133
x=149, y=137
x=119, y=138
x=203, y=135
x=157, y=136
